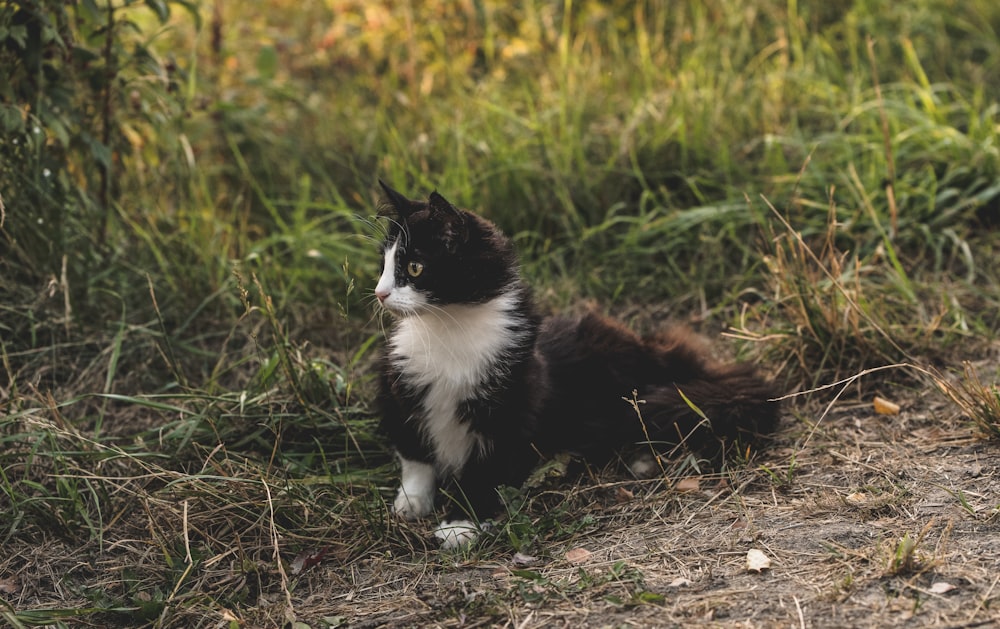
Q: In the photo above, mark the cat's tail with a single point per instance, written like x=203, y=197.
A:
x=727, y=407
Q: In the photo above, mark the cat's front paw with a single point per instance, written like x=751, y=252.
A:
x=456, y=533
x=411, y=505
x=645, y=466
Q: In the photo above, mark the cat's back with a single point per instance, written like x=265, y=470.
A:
x=590, y=341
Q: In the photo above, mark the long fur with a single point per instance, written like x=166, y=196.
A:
x=476, y=387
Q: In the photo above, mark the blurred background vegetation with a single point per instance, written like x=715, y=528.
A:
x=179, y=146
x=188, y=191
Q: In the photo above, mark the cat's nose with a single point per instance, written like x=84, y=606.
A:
x=381, y=294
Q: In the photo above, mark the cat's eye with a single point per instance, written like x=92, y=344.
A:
x=414, y=269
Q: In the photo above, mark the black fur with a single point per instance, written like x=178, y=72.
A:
x=561, y=386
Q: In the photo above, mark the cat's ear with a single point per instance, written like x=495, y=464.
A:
x=394, y=203
x=454, y=231
x=441, y=205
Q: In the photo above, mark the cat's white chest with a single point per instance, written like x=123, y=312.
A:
x=450, y=352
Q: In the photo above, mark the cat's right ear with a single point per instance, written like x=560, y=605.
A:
x=393, y=203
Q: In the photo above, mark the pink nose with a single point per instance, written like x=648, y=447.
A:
x=382, y=295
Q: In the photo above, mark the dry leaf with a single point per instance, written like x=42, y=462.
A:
x=940, y=587
x=885, y=407
x=307, y=559
x=691, y=483
x=757, y=560
x=520, y=559
x=857, y=498
x=623, y=495
x=577, y=555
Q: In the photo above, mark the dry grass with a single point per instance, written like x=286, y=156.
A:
x=980, y=402
x=868, y=519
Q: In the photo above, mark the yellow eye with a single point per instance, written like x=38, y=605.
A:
x=414, y=269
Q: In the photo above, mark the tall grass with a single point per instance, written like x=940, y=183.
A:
x=192, y=369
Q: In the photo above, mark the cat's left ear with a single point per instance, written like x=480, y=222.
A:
x=454, y=230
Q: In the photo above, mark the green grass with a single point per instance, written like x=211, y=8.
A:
x=185, y=356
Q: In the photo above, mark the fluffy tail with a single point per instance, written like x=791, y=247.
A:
x=684, y=395
x=730, y=407
x=707, y=405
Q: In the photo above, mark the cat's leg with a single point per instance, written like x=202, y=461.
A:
x=473, y=497
x=415, y=498
x=476, y=495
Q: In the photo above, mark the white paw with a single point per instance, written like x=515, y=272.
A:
x=456, y=534
x=411, y=506
x=644, y=466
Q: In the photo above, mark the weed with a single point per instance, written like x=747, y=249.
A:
x=904, y=558
x=980, y=402
x=781, y=479
x=533, y=587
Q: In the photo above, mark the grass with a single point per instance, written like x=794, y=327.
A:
x=980, y=402
x=185, y=355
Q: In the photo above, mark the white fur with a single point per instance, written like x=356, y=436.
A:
x=387, y=281
x=450, y=350
x=644, y=466
x=456, y=534
x=400, y=299
x=415, y=498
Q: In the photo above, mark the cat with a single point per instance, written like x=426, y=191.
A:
x=476, y=388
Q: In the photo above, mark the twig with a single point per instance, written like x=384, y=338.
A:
x=187, y=537
x=846, y=382
x=290, y=611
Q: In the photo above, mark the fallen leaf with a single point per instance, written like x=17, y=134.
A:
x=623, y=495
x=308, y=559
x=577, y=555
x=520, y=559
x=940, y=587
x=757, y=560
x=857, y=498
x=885, y=407
x=679, y=582
x=691, y=483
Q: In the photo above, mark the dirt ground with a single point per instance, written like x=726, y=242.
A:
x=867, y=520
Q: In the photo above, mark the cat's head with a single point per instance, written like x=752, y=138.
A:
x=436, y=255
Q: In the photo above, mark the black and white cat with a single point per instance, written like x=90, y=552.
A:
x=476, y=387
